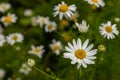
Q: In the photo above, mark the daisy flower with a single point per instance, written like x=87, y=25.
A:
x=81, y=54
x=56, y=46
x=83, y=27
x=2, y=40
x=64, y=10
x=25, y=69
x=14, y=37
x=2, y=73
x=97, y=3
x=38, y=51
x=10, y=18
x=42, y=20
x=28, y=12
x=51, y=26
x=4, y=7
x=108, y=30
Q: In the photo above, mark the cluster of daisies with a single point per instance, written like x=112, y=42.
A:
x=83, y=54
x=78, y=52
x=44, y=22
x=7, y=20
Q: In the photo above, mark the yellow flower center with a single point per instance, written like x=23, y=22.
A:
x=80, y=53
x=43, y=21
x=95, y=1
x=15, y=37
x=24, y=68
x=108, y=29
x=8, y=19
x=37, y=50
x=50, y=26
x=55, y=47
x=63, y=8
x=4, y=7
x=64, y=22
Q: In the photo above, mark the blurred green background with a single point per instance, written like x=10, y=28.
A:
x=107, y=65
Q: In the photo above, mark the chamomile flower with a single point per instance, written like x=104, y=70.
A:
x=8, y=19
x=56, y=46
x=97, y=3
x=38, y=51
x=51, y=26
x=25, y=69
x=80, y=53
x=28, y=12
x=14, y=37
x=4, y=7
x=42, y=20
x=2, y=40
x=108, y=30
x=2, y=73
x=83, y=27
x=64, y=10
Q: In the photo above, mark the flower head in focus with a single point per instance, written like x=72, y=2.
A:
x=108, y=30
x=80, y=53
x=64, y=10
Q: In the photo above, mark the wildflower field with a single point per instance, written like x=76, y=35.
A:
x=59, y=40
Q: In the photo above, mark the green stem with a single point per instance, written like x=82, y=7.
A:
x=44, y=73
x=90, y=78
x=80, y=74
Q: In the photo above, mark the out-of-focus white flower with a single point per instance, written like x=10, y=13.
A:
x=80, y=53
x=64, y=10
x=83, y=27
x=97, y=3
x=108, y=30
x=2, y=73
x=56, y=46
x=38, y=51
x=117, y=19
x=28, y=12
x=14, y=37
x=74, y=16
x=34, y=21
x=8, y=19
x=4, y=7
x=42, y=21
x=25, y=69
x=51, y=26
x=2, y=40
x=31, y=62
